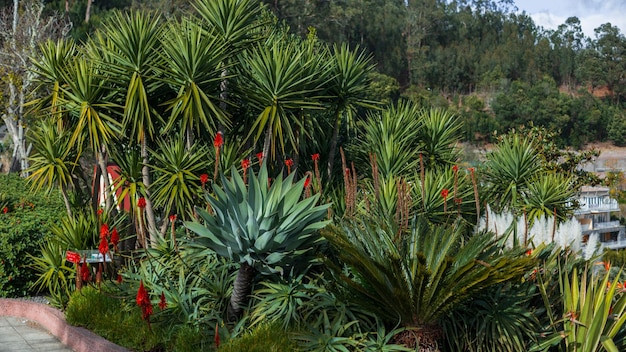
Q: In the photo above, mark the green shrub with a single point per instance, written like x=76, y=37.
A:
x=22, y=229
x=105, y=316
x=263, y=338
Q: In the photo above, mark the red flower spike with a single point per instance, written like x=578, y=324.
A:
x=162, y=302
x=219, y=140
x=119, y=279
x=115, y=238
x=458, y=200
x=217, y=336
x=141, y=202
x=444, y=193
x=289, y=162
x=100, y=211
x=259, y=156
x=142, y=295
x=173, y=217
x=146, y=312
x=307, y=182
x=245, y=164
x=5, y=210
x=455, y=168
x=204, y=178
x=529, y=252
x=104, y=231
x=315, y=156
x=84, y=272
x=103, y=248
x=607, y=266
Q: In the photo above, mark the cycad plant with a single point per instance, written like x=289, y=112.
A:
x=266, y=228
x=415, y=278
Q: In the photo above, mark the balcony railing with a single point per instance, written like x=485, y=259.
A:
x=605, y=225
x=606, y=206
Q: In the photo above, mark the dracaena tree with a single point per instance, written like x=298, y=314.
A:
x=267, y=229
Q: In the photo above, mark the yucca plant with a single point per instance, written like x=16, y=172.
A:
x=54, y=275
x=268, y=229
x=594, y=312
x=415, y=278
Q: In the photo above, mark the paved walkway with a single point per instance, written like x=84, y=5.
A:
x=22, y=335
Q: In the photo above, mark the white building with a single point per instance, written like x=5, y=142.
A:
x=594, y=215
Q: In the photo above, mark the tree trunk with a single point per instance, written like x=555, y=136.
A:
x=333, y=145
x=88, y=11
x=147, y=181
x=68, y=207
x=106, y=185
x=267, y=143
x=241, y=291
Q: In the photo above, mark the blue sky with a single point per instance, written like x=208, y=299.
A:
x=592, y=13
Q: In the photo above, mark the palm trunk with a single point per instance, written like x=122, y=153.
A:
x=333, y=146
x=145, y=174
x=267, y=143
x=67, y=202
x=241, y=291
x=100, y=156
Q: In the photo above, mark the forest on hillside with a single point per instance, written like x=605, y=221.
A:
x=482, y=59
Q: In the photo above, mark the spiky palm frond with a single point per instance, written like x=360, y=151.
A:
x=416, y=278
x=134, y=40
x=550, y=195
x=232, y=21
x=510, y=168
x=178, y=170
x=278, y=80
x=440, y=132
x=194, y=71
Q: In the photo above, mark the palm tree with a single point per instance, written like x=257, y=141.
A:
x=267, y=229
x=415, y=278
x=88, y=102
x=347, y=88
x=193, y=70
x=280, y=79
x=129, y=50
x=53, y=160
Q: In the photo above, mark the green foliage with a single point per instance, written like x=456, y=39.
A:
x=268, y=227
x=498, y=319
x=56, y=275
x=22, y=230
x=593, y=313
x=415, y=278
x=104, y=315
x=264, y=337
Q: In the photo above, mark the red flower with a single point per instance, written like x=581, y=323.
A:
x=5, y=210
x=455, y=168
x=471, y=169
x=115, y=237
x=173, y=217
x=204, y=178
x=259, y=156
x=143, y=301
x=245, y=163
x=219, y=140
x=162, y=302
x=458, y=200
x=307, y=182
x=100, y=211
x=103, y=248
x=217, y=336
x=119, y=279
x=104, y=230
x=444, y=193
x=84, y=272
x=529, y=252
x=141, y=202
x=142, y=295
x=289, y=162
x=315, y=156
